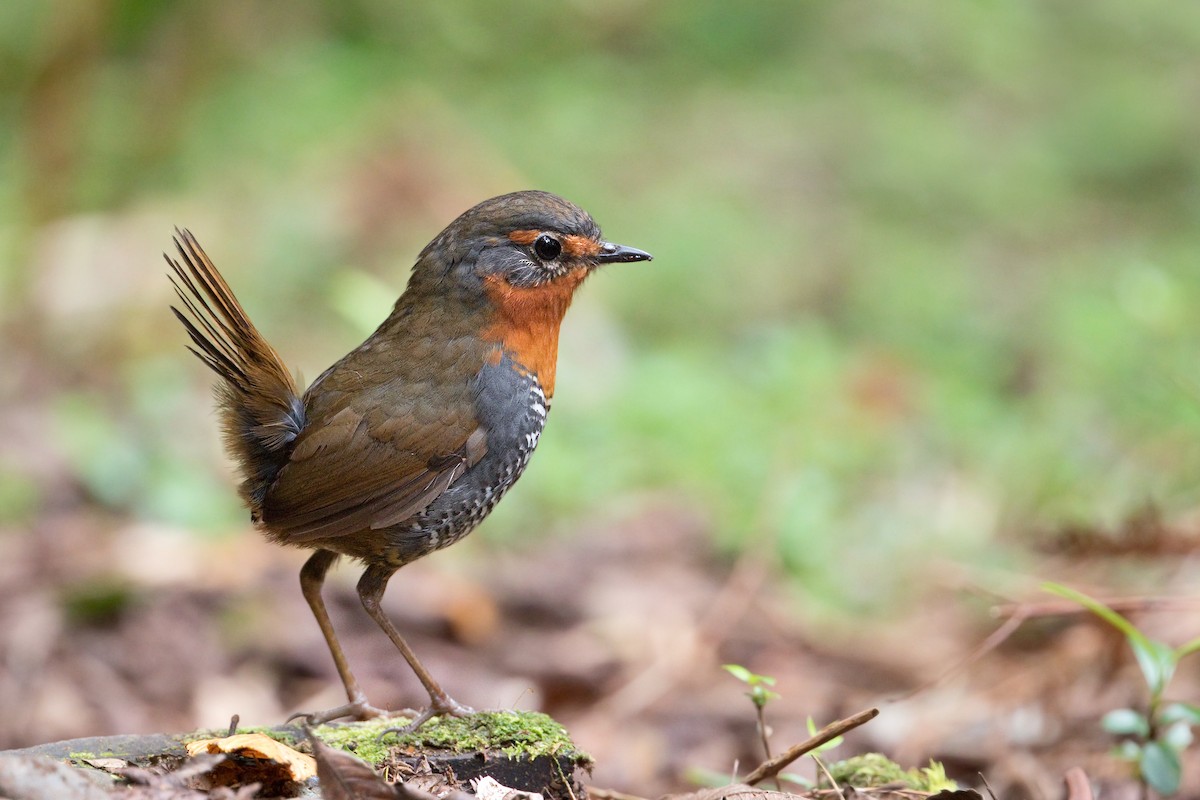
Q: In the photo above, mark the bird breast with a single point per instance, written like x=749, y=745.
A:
x=526, y=321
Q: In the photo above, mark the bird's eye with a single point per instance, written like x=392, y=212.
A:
x=547, y=247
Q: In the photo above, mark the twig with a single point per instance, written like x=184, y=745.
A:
x=1069, y=608
x=610, y=794
x=1078, y=785
x=762, y=731
x=563, y=777
x=773, y=766
x=1016, y=614
x=825, y=770
x=994, y=640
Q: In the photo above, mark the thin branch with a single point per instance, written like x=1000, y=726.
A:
x=828, y=776
x=1078, y=785
x=597, y=793
x=772, y=767
x=994, y=640
x=1069, y=608
x=762, y=731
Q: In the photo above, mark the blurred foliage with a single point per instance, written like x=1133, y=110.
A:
x=925, y=273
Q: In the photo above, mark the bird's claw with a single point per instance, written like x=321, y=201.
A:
x=359, y=710
x=438, y=707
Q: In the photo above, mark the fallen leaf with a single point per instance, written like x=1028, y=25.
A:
x=740, y=791
x=42, y=778
x=257, y=746
x=488, y=788
x=347, y=777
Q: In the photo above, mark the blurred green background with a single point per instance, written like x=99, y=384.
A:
x=925, y=279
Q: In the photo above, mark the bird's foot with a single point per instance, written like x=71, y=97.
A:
x=357, y=709
x=444, y=706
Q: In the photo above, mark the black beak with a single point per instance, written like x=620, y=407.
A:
x=610, y=253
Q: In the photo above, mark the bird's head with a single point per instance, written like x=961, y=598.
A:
x=519, y=258
x=523, y=240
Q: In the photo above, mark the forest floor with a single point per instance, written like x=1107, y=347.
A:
x=619, y=631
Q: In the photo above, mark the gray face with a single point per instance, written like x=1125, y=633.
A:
x=526, y=265
x=492, y=221
x=528, y=239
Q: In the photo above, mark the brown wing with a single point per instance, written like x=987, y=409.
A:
x=373, y=459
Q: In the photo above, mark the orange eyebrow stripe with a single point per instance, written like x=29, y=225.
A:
x=580, y=246
x=574, y=245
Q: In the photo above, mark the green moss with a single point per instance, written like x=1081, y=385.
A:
x=514, y=733
x=360, y=738
x=872, y=769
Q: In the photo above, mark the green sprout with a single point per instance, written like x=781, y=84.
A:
x=1158, y=735
x=760, y=695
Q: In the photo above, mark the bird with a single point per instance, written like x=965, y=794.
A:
x=406, y=443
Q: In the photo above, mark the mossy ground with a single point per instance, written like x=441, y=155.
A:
x=515, y=733
x=873, y=769
x=526, y=734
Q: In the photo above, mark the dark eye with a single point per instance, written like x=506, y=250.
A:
x=547, y=247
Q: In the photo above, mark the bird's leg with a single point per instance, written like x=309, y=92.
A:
x=370, y=591
x=312, y=578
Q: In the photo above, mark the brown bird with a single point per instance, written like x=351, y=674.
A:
x=404, y=445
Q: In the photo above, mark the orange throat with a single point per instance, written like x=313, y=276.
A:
x=526, y=321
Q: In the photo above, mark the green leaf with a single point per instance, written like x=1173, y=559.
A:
x=1128, y=750
x=702, y=776
x=1186, y=650
x=796, y=778
x=760, y=696
x=832, y=743
x=1126, y=721
x=738, y=671
x=1178, y=736
x=933, y=778
x=1160, y=767
x=1096, y=607
x=1157, y=661
x=1181, y=712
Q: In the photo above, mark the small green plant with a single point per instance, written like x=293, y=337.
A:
x=832, y=743
x=760, y=695
x=872, y=770
x=1157, y=736
x=859, y=771
x=816, y=756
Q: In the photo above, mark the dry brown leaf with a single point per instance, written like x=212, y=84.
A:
x=42, y=778
x=735, y=791
x=261, y=747
x=347, y=777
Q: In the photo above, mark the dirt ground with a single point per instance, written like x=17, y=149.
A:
x=618, y=629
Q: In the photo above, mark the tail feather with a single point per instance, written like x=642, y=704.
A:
x=261, y=409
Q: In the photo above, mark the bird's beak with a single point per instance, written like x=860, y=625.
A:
x=610, y=253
